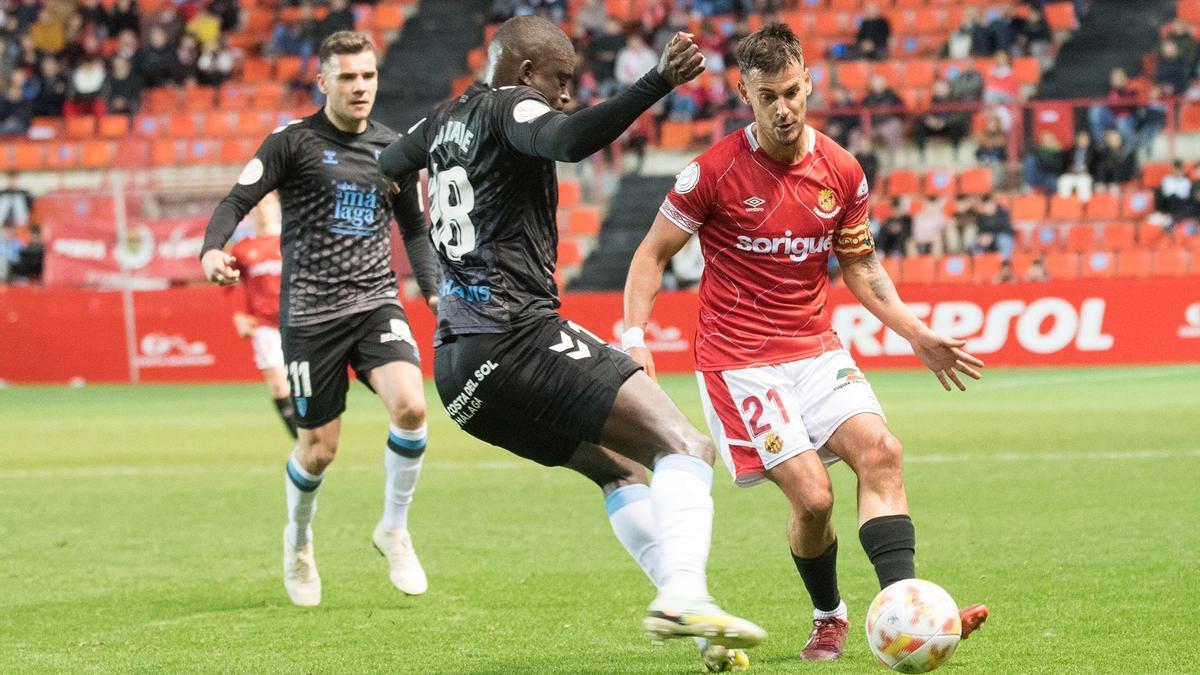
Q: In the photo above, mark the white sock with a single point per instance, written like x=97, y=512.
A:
x=632, y=519
x=402, y=461
x=839, y=612
x=301, y=489
x=683, y=513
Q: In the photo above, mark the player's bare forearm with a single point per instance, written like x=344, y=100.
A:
x=646, y=269
x=872, y=287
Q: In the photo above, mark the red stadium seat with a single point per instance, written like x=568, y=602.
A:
x=1103, y=206
x=287, y=68
x=182, y=125
x=1098, y=265
x=81, y=127
x=113, y=126
x=1029, y=208
x=1027, y=69
x=238, y=150
x=853, y=75
x=675, y=135
x=160, y=100
x=1149, y=235
x=1081, y=238
x=1061, y=15
x=199, y=99
x=256, y=70
x=1189, y=11
x=1189, y=117
x=903, y=182
x=584, y=220
x=941, y=182
x=268, y=96
x=1136, y=204
x=60, y=156
x=1119, y=236
x=1171, y=262
x=921, y=269
x=164, y=152
x=986, y=268
x=388, y=16
x=1021, y=264
x=568, y=194
x=1062, y=266
x=569, y=253
x=920, y=74
x=892, y=267
x=1044, y=238
x=1135, y=263
x=97, y=154
x=977, y=181
x=1154, y=172
x=1065, y=208
x=954, y=269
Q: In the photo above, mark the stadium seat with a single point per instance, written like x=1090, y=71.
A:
x=1119, y=236
x=1149, y=235
x=81, y=126
x=921, y=269
x=1062, y=266
x=238, y=150
x=1098, y=265
x=233, y=97
x=833, y=24
x=569, y=253
x=1027, y=69
x=160, y=100
x=1061, y=15
x=568, y=194
x=1081, y=238
x=584, y=220
x=941, y=182
x=986, y=267
x=1021, y=264
x=1171, y=262
x=1154, y=172
x=388, y=16
x=1065, y=208
x=954, y=269
x=920, y=74
x=977, y=181
x=1102, y=206
x=1135, y=263
x=903, y=182
x=1029, y=208
x=60, y=156
x=113, y=126
x=256, y=70
x=1189, y=11
x=268, y=96
x=97, y=154
x=853, y=75
x=1189, y=117
x=1136, y=204
x=1044, y=238
x=182, y=125
x=199, y=99
x=164, y=152
x=675, y=135
x=201, y=151
x=891, y=265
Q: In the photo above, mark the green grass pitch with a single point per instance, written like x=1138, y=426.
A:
x=140, y=532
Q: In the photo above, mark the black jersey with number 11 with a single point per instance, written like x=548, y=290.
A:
x=493, y=211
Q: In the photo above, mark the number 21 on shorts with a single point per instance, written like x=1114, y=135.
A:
x=753, y=407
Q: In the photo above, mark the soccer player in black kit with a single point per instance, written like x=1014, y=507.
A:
x=509, y=369
x=338, y=305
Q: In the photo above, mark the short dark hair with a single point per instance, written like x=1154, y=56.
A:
x=344, y=42
x=770, y=50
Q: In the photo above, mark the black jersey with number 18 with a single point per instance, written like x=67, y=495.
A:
x=493, y=212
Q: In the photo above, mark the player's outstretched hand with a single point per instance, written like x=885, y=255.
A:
x=681, y=60
x=218, y=267
x=644, y=359
x=946, y=358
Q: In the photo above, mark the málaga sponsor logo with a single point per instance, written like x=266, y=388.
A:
x=1043, y=326
x=1192, y=316
x=162, y=350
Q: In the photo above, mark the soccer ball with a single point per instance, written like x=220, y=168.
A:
x=913, y=626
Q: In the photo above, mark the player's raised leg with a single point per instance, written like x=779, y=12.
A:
x=813, y=545
x=645, y=426
x=885, y=528
x=399, y=386
x=314, y=452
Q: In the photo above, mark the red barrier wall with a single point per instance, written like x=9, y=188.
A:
x=54, y=335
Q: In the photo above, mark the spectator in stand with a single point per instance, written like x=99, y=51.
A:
x=15, y=203
x=634, y=60
x=1172, y=199
x=124, y=16
x=960, y=235
x=603, y=56
x=85, y=96
x=972, y=38
x=928, y=229
x=1116, y=162
x=1080, y=163
x=992, y=142
x=842, y=122
x=340, y=17
x=1173, y=74
x=1033, y=35
x=951, y=125
x=995, y=229
x=205, y=27
x=503, y=10
x=94, y=18
x=51, y=89
x=16, y=113
x=187, y=54
x=1000, y=86
x=169, y=20
x=28, y=265
x=873, y=35
x=864, y=151
x=1003, y=28
x=49, y=33
x=676, y=22
x=10, y=251
x=1180, y=33
x=1121, y=111
x=295, y=38
x=1037, y=271
x=10, y=43
x=215, y=64
x=886, y=126
x=1044, y=163
x=1005, y=275
x=27, y=13
x=157, y=62
x=892, y=239
x=712, y=45
x=592, y=17
x=127, y=46
x=124, y=93
x=228, y=12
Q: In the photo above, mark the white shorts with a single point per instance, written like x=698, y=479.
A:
x=764, y=415
x=268, y=348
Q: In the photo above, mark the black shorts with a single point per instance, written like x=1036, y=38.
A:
x=537, y=390
x=316, y=358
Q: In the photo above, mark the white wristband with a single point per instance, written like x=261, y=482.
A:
x=633, y=337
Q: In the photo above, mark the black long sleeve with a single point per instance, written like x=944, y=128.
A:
x=410, y=219
x=406, y=155
x=571, y=138
x=260, y=176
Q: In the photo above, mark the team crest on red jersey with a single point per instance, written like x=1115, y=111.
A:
x=827, y=206
x=773, y=443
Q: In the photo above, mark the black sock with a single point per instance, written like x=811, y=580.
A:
x=287, y=413
x=820, y=578
x=890, y=543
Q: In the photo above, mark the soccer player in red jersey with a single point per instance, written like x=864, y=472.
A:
x=257, y=258
x=783, y=397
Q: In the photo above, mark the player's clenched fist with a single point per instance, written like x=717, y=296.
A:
x=218, y=267
x=681, y=60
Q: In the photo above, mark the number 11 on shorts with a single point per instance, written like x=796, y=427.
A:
x=300, y=379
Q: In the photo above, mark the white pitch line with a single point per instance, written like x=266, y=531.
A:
x=146, y=471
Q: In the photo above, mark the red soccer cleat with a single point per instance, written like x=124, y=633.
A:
x=972, y=618
x=827, y=641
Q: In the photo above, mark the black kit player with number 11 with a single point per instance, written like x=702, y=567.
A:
x=509, y=369
x=338, y=301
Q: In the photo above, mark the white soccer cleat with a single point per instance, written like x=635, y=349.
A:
x=300, y=576
x=404, y=569
x=702, y=619
x=720, y=659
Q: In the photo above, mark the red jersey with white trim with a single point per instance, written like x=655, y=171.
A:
x=260, y=263
x=766, y=230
